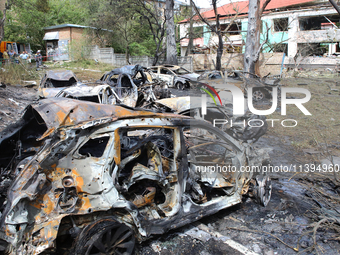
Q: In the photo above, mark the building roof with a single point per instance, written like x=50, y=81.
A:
x=73, y=25
x=242, y=8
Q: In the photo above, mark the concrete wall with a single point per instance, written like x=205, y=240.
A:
x=269, y=62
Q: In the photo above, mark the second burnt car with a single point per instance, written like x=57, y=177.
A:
x=54, y=81
x=104, y=176
x=175, y=76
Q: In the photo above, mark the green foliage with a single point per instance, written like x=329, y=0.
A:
x=42, y=5
x=27, y=18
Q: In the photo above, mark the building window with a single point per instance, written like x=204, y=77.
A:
x=281, y=25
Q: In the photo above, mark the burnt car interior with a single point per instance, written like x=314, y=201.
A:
x=53, y=83
x=148, y=168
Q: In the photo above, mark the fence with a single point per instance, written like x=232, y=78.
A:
x=107, y=55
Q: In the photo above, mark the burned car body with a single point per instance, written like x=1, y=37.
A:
x=135, y=79
x=104, y=175
x=138, y=74
x=102, y=94
x=174, y=76
x=54, y=81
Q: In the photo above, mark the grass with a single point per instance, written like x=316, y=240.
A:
x=16, y=74
x=320, y=130
x=86, y=70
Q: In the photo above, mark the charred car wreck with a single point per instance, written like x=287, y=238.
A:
x=55, y=81
x=87, y=178
x=127, y=78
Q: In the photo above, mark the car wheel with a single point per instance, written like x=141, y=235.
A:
x=180, y=85
x=105, y=236
x=263, y=189
x=258, y=95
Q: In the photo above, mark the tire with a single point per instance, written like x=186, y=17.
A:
x=180, y=85
x=258, y=95
x=106, y=237
x=263, y=190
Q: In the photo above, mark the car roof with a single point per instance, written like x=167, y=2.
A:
x=62, y=75
x=171, y=67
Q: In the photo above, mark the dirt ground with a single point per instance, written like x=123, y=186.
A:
x=303, y=214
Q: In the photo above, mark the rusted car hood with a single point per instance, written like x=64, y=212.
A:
x=58, y=112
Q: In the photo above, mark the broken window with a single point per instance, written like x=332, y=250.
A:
x=181, y=71
x=317, y=23
x=280, y=47
x=94, y=147
x=312, y=49
x=281, y=25
x=204, y=146
x=165, y=71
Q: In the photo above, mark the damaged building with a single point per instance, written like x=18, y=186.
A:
x=304, y=27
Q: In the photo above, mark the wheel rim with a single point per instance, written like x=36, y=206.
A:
x=117, y=239
x=180, y=85
x=264, y=190
x=258, y=95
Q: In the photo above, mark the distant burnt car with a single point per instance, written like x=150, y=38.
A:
x=88, y=178
x=55, y=81
x=175, y=76
x=131, y=78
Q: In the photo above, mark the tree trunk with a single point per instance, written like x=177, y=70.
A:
x=253, y=38
x=127, y=54
x=3, y=19
x=220, y=38
x=171, y=49
x=191, y=36
x=219, y=51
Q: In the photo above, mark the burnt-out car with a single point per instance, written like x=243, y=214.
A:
x=175, y=76
x=55, y=81
x=104, y=176
x=131, y=79
x=102, y=94
x=138, y=74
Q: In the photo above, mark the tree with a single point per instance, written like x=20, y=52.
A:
x=216, y=29
x=27, y=18
x=153, y=16
x=191, y=37
x=3, y=19
x=171, y=49
x=253, y=47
